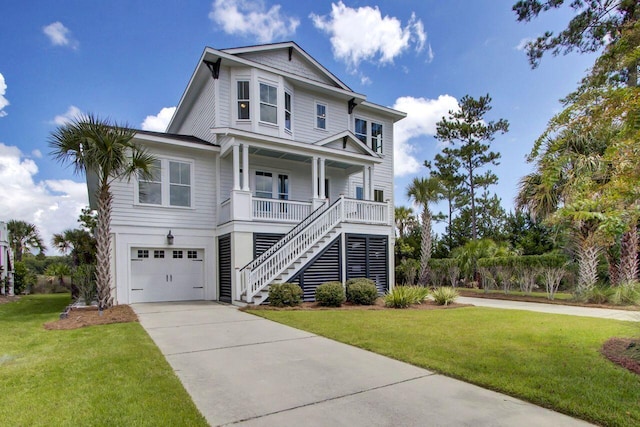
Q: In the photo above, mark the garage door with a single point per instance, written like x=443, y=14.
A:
x=166, y=274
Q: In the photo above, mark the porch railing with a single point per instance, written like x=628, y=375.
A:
x=224, y=214
x=280, y=210
x=258, y=274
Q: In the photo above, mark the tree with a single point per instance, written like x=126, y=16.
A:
x=425, y=191
x=79, y=243
x=106, y=150
x=596, y=24
x=404, y=220
x=24, y=237
x=58, y=272
x=470, y=133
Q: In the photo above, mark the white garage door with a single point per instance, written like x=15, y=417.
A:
x=166, y=274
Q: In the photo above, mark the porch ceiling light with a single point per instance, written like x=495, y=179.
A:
x=170, y=238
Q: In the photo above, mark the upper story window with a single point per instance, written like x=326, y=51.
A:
x=264, y=184
x=179, y=184
x=378, y=195
x=376, y=137
x=287, y=111
x=150, y=190
x=372, y=138
x=268, y=103
x=243, y=100
x=361, y=130
x=169, y=184
x=321, y=116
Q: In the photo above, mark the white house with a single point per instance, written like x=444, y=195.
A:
x=271, y=170
x=6, y=261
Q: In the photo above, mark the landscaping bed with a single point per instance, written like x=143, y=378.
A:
x=379, y=305
x=539, y=299
x=624, y=352
x=79, y=317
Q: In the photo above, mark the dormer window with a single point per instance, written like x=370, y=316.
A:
x=376, y=137
x=370, y=133
x=361, y=130
x=243, y=100
x=268, y=103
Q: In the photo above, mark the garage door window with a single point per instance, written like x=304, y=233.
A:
x=143, y=253
x=177, y=254
x=192, y=254
x=158, y=254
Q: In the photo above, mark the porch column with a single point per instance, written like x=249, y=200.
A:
x=245, y=167
x=371, y=188
x=314, y=177
x=322, y=189
x=365, y=183
x=236, y=167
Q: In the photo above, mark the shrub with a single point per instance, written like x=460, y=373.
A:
x=85, y=280
x=361, y=291
x=626, y=294
x=444, y=295
x=285, y=295
x=330, y=294
x=404, y=296
x=596, y=295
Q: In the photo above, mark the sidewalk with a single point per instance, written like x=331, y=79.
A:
x=245, y=370
x=603, y=313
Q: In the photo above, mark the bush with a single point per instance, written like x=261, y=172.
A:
x=404, y=296
x=597, y=295
x=626, y=294
x=444, y=295
x=361, y=291
x=285, y=295
x=330, y=294
x=85, y=280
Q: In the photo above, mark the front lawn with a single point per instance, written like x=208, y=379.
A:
x=100, y=375
x=550, y=360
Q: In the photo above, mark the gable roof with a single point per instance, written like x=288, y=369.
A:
x=234, y=57
x=348, y=138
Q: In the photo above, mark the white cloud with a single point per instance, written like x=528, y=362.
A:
x=422, y=116
x=36, y=153
x=72, y=113
x=522, y=45
x=3, y=101
x=160, y=122
x=52, y=205
x=59, y=35
x=250, y=18
x=363, y=34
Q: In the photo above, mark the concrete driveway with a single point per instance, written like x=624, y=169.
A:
x=242, y=369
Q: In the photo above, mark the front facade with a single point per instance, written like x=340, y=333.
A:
x=6, y=261
x=271, y=170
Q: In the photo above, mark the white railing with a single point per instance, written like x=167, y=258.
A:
x=258, y=274
x=280, y=210
x=224, y=214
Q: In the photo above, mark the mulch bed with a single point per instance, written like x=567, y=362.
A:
x=379, y=305
x=524, y=298
x=624, y=352
x=81, y=317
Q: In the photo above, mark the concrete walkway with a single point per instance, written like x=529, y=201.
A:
x=603, y=313
x=245, y=370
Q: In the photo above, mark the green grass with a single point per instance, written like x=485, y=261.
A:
x=550, y=360
x=564, y=296
x=100, y=375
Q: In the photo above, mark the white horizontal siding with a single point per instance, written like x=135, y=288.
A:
x=201, y=117
x=279, y=59
x=200, y=215
x=304, y=116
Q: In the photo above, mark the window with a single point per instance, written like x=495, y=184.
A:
x=268, y=103
x=179, y=184
x=378, y=195
x=361, y=130
x=264, y=184
x=150, y=190
x=287, y=111
x=169, y=185
x=359, y=193
x=283, y=187
x=243, y=100
x=376, y=137
x=143, y=253
x=321, y=116
x=158, y=254
x=192, y=254
x=177, y=254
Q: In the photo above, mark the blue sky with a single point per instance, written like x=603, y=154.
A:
x=129, y=60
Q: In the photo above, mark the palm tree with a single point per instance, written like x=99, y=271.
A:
x=24, y=237
x=425, y=191
x=80, y=243
x=106, y=150
x=404, y=220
